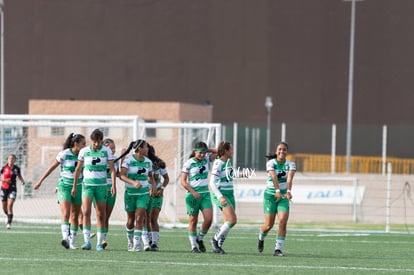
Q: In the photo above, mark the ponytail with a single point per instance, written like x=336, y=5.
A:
x=72, y=139
x=133, y=145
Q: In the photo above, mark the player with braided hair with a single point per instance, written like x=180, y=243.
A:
x=136, y=172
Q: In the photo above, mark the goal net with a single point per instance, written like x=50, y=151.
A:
x=37, y=139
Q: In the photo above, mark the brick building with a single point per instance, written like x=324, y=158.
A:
x=230, y=54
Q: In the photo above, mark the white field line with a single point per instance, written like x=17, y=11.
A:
x=198, y=264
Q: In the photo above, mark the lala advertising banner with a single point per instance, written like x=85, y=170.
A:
x=306, y=194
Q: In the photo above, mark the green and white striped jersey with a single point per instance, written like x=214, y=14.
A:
x=94, y=164
x=222, y=175
x=282, y=170
x=68, y=160
x=160, y=172
x=138, y=171
x=197, y=173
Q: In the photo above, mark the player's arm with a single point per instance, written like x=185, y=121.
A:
x=21, y=179
x=272, y=173
x=153, y=183
x=187, y=186
x=113, y=177
x=76, y=175
x=289, y=182
x=214, y=180
x=124, y=178
x=51, y=168
x=213, y=153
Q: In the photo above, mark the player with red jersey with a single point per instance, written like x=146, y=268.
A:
x=9, y=173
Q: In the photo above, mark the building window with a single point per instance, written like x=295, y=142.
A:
x=150, y=132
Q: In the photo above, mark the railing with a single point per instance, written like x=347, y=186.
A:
x=359, y=164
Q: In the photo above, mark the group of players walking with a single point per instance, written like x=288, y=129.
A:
x=88, y=177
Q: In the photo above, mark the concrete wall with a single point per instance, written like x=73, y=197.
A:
x=231, y=54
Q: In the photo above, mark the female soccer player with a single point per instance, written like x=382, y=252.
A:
x=194, y=179
x=162, y=179
x=221, y=183
x=94, y=160
x=136, y=172
x=9, y=173
x=69, y=206
x=110, y=199
x=277, y=196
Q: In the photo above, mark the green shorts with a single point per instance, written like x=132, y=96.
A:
x=155, y=202
x=64, y=193
x=270, y=206
x=132, y=202
x=97, y=193
x=194, y=206
x=229, y=195
x=110, y=200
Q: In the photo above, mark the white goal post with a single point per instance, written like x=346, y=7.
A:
x=36, y=140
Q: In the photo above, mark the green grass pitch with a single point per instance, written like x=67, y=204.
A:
x=36, y=249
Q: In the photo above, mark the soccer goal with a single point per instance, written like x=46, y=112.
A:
x=37, y=139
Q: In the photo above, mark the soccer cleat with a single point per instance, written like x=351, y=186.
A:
x=130, y=246
x=214, y=245
x=279, y=253
x=65, y=243
x=216, y=248
x=104, y=244
x=99, y=247
x=201, y=246
x=8, y=226
x=86, y=246
x=221, y=241
x=72, y=246
x=154, y=247
x=137, y=248
x=260, y=245
x=147, y=248
x=195, y=250
x=93, y=235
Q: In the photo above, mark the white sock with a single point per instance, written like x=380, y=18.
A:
x=223, y=232
x=73, y=237
x=65, y=230
x=99, y=237
x=86, y=235
x=137, y=238
x=279, y=244
x=130, y=234
x=155, y=237
x=193, y=241
x=145, y=238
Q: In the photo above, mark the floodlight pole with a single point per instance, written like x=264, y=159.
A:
x=2, y=56
x=268, y=105
x=1, y=75
x=350, y=88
